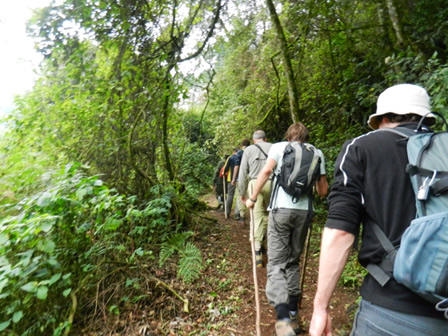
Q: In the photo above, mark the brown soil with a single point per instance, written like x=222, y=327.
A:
x=222, y=301
x=235, y=240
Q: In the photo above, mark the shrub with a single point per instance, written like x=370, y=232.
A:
x=58, y=245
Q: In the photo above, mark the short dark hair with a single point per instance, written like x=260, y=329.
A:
x=401, y=118
x=245, y=142
x=297, y=132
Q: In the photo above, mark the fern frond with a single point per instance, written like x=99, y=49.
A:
x=174, y=243
x=190, y=264
x=166, y=251
x=179, y=239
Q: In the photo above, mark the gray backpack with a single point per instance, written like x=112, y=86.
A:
x=300, y=170
x=421, y=261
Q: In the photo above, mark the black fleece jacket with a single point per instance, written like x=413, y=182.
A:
x=371, y=185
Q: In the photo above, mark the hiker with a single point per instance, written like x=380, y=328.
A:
x=253, y=161
x=288, y=223
x=230, y=188
x=218, y=181
x=239, y=206
x=371, y=186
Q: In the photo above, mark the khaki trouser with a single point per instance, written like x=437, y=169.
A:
x=240, y=207
x=286, y=238
x=260, y=212
x=230, y=194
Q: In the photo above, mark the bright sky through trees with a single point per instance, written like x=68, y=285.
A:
x=18, y=59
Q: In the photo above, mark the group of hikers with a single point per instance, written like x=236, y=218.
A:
x=373, y=189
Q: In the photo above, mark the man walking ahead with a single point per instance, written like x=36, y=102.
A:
x=239, y=206
x=287, y=228
x=371, y=186
x=230, y=186
x=252, y=163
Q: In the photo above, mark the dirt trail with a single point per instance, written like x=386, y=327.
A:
x=235, y=240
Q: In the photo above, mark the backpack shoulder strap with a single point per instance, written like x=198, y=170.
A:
x=403, y=131
x=261, y=150
x=385, y=242
x=378, y=272
x=275, y=180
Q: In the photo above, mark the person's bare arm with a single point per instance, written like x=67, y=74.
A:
x=235, y=174
x=243, y=176
x=261, y=181
x=335, y=249
x=322, y=186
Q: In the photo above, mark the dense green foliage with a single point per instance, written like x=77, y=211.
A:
x=59, y=245
x=146, y=95
x=344, y=54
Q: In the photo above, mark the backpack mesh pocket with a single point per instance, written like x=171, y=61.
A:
x=421, y=261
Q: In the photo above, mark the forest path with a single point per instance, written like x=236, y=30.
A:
x=234, y=240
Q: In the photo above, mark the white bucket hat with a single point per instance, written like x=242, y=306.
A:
x=402, y=99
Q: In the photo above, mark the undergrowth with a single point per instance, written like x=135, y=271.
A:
x=81, y=249
x=353, y=273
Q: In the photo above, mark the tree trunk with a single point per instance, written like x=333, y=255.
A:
x=165, y=115
x=292, y=88
x=395, y=22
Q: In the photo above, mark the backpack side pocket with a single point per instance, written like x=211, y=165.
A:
x=421, y=261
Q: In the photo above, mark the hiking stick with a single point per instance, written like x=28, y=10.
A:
x=305, y=259
x=254, y=268
x=225, y=195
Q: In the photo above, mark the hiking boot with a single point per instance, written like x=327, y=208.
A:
x=259, y=258
x=294, y=317
x=237, y=217
x=242, y=220
x=283, y=328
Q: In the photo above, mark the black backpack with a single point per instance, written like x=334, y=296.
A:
x=299, y=171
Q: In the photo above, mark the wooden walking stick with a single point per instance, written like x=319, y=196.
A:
x=225, y=195
x=305, y=259
x=254, y=268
